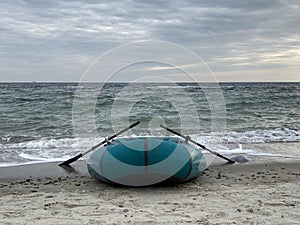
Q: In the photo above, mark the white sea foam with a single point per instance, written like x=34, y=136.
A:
x=43, y=150
x=42, y=158
x=51, y=150
x=240, y=150
x=263, y=136
x=255, y=136
x=56, y=144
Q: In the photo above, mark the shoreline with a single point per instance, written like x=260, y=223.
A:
x=272, y=151
x=52, y=170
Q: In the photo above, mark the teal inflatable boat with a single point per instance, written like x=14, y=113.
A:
x=145, y=161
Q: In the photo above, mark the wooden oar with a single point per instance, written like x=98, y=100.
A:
x=75, y=158
x=198, y=144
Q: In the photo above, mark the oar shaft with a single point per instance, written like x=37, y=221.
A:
x=71, y=160
x=198, y=144
x=111, y=137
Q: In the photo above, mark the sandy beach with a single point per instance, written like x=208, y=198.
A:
x=252, y=193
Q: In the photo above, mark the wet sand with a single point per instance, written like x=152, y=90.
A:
x=252, y=193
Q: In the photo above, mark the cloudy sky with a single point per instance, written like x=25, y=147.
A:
x=257, y=40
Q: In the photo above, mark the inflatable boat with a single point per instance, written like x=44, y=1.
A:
x=143, y=161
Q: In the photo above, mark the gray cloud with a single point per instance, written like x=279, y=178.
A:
x=57, y=40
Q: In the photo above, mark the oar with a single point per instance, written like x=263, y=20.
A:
x=198, y=144
x=75, y=158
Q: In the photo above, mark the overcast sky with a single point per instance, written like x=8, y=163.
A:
x=248, y=40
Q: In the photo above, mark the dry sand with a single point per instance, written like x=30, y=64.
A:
x=263, y=193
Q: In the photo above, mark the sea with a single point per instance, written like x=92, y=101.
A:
x=47, y=122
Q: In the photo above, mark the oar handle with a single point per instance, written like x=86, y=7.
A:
x=198, y=144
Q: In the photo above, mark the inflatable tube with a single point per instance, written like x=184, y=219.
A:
x=146, y=161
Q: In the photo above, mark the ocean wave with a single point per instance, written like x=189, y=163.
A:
x=43, y=150
x=263, y=136
x=52, y=150
x=15, y=139
x=44, y=143
x=245, y=137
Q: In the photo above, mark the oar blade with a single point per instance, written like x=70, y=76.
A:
x=71, y=160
